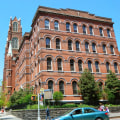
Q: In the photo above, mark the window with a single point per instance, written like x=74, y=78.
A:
x=108, y=33
x=39, y=65
x=100, y=86
x=15, y=27
x=87, y=110
x=72, y=65
x=78, y=111
x=97, y=66
x=47, y=42
x=91, y=30
x=75, y=27
x=80, y=65
x=56, y=25
x=107, y=66
x=46, y=24
x=74, y=86
x=112, y=49
x=59, y=64
x=68, y=27
x=94, y=47
x=104, y=48
x=57, y=43
x=50, y=84
x=77, y=46
x=15, y=43
x=61, y=87
x=69, y=44
x=115, y=67
x=90, y=66
x=49, y=64
x=84, y=29
x=86, y=46
x=101, y=31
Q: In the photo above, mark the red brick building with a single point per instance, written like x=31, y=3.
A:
x=60, y=45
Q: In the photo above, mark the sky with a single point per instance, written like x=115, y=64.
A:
x=26, y=9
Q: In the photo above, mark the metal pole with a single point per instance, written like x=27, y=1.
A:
x=38, y=108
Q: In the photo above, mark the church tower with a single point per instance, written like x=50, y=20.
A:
x=11, y=52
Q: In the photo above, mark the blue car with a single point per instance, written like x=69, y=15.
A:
x=86, y=113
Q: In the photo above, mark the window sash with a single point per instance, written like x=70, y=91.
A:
x=101, y=31
x=91, y=30
x=69, y=45
x=77, y=46
x=67, y=27
x=75, y=27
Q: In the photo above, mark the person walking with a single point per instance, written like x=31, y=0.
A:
x=48, y=113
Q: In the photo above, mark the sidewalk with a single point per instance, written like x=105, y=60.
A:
x=114, y=115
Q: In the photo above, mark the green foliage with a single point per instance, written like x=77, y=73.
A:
x=57, y=96
x=20, y=99
x=112, y=87
x=88, y=88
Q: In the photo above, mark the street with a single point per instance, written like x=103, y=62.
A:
x=8, y=116
x=4, y=116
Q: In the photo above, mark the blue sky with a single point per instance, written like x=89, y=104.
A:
x=25, y=9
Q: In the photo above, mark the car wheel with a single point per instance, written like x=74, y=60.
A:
x=98, y=119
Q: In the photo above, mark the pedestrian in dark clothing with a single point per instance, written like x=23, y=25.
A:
x=48, y=113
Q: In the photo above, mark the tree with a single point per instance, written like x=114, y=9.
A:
x=112, y=87
x=88, y=88
x=20, y=98
x=57, y=96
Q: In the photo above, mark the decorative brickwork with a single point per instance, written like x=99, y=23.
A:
x=60, y=45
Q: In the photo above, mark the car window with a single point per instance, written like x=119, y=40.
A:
x=77, y=112
x=88, y=111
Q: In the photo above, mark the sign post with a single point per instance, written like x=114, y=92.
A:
x=38, y=108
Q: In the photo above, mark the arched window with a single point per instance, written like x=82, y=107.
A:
x=91, y=30
x=56, y=25
x=15, y=26
x=47, y=24
x=50, y=84
x=68, y=27
x=59, y=64
x=97, y=66
x=74, y=86
x=94, y=47
x=100, y=86
x=108, y=33
x=87, y=47
x=49, y=64
x=15, y=43
x=57, y=43
x=61, y=87
x=75, y=27
x=77, y=46
x=84, y=29
x=69, y=44
x=104, y=48
x=107, y=67
x=101, y=31
x=80, y=65
x=72, y=65
x=47, y=42
x=112, y=49
x=115, y=67
x=39, y=65
x=90, y=66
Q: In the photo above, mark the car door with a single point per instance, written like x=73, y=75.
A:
x=77, y=114
x=89, y=114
